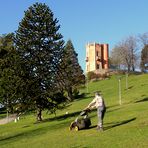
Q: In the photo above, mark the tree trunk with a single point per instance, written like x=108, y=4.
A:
x=133, y=68
x=128, y=68
x=69, y=93
x=39, y=114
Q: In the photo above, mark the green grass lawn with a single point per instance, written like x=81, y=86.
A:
x=126, y=125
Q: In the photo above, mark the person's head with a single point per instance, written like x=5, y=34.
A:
x=97, y=93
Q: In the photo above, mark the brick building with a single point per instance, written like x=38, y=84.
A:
x=97, y=56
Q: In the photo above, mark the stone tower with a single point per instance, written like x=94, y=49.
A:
x=97, y=57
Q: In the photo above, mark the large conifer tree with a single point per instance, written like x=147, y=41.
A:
x=144, y=58
x=40, y=46
x=9, y=80
x=70, y=72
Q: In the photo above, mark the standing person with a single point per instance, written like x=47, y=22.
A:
x=98, y=102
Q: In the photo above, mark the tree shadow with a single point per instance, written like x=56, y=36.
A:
x=130, y=87
x=112, y=110
x=143, y=84
x=32, y=133
x=112, y=106
x=25, y=134
x=75, y=114
x=112, y=124
x=62, y=117
x=142, y=100
x=65, y=116
x=115, y=124
x=83, y=96
x=93, y=126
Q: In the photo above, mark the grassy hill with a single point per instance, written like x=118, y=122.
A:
x=125, y=125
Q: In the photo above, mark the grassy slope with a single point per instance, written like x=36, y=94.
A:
x=125, y=125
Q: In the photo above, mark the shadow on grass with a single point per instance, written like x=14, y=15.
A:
x=112, y=110
x=111, y=106
x=118, y=123
x=26, y=134
x=83, y=96
x=142, y=100
x=31, y=132
x=93, y=126
x=113, y=124
x=75, y=114
x=86, y=95
x=65, y=116
x=62, y=117
x=126, y=89
x=130, y=87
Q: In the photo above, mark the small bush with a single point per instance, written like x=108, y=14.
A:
x=93, y=76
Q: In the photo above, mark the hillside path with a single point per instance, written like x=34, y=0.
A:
x=7, y=120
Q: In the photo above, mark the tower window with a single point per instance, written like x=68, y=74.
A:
x=97, y=53
x=97, y=66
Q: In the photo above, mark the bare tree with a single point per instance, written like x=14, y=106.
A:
x=131, y=44
x=144, y=59
x=144, y=38
x=143, y=45
x=125, y=52
x=115, y=58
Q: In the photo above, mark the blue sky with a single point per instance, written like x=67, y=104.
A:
x=83, y=21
